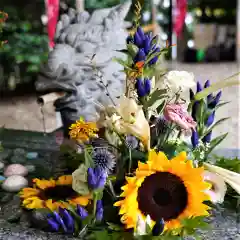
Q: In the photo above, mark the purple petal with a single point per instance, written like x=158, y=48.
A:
x=141, y=33
x=60, y=221
x=53, y=224
x=207, y=84
x=140, y=88
x=82, y=212
x=138, y=40
x=141, y=56
x=199, y=87
x=210, y=119
x=99, y=210
x=195, y=139
x=215, y=101
x=158, y=228
x=147, y=45
x=68, y=219
x=207, y=138
x=92, y=180
x=147, y=84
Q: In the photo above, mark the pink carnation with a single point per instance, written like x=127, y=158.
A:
x=177, y=113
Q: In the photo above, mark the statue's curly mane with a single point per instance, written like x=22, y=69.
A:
x=79, y=37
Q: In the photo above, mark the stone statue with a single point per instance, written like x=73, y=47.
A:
x=81, y=64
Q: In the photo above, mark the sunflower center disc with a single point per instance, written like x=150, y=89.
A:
x=59, y=193
x=162, y=195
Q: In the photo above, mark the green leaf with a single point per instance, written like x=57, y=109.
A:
x=200, y=114
x=122, y=62
x=216, y=141
x=213, y=126
x=132, y=49
x=33, y=68
x=160, y=108
x=158, y=94
x=88, y=159
x=114, y=227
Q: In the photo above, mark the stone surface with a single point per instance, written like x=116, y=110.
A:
x=15, y=169
x=1, y=165
x=14, y=183
x=71, y=69
x=30, y=168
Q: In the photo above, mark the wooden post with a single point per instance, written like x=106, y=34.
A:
x=80, y=5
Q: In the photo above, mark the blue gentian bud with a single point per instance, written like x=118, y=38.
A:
x=215, y=101
x=68, y=219
x=96, y=178
x=53, y=224
x=60, y=221
x=195, y=139
x=141, y=33
x=209, y=97
x=147, y=44
x=81, y=212
x=141, y=56
x=210, y=119
x=199, y=87
x=140, y=87
x=99, y=211
x=154, y=59
x=207, y=138
x=138, y=41
x=148, y=87
x=158, y=228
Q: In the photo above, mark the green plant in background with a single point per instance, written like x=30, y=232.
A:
x=26, y=50
x=232, y=199
x=3, y=17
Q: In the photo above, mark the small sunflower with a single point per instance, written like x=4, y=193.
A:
x=171, y=190
x=82, y=131
x=52, y=194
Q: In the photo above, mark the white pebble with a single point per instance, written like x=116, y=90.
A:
x=15, y=169
x=14, y=183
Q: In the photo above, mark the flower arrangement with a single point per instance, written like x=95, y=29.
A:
x=138, y=176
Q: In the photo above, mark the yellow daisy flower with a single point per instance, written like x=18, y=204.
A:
x=52, y=194
x=82, y=131
x=172, y=190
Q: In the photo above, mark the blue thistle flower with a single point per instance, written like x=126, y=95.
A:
x=99, y=211
x=104, y=159
x=96, y=178
x=158, y=228
x=131, y=142
x=161, y=126
x=195, y=139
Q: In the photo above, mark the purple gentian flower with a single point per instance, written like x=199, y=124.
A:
x=143, y=87
x=207, y=138
x=82, y=212
x=141, y=56
x=199, y=87
x=210, y=119
x=210, y=96
x=53, y=224
x=154, y=59
x=147, y=44
x=96, y=178
x=67, y=219
x=215, y=100
x=99, y=211
x=139, y=37
x=195, y=139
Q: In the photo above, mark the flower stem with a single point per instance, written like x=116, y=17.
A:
x=112, y=189
x=94, y=204
x=130, y=161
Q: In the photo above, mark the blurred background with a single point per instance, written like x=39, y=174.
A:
x=206, y=34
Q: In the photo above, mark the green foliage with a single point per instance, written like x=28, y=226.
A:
x=232, y=199
x=26, y=48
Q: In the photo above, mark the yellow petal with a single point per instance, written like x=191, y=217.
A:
x=64, y=180
x=81, y=200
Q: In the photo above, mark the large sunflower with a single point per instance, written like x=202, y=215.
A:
x=52, y=194
x=164, y=189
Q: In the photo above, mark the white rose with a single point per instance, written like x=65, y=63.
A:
x=179, y=80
